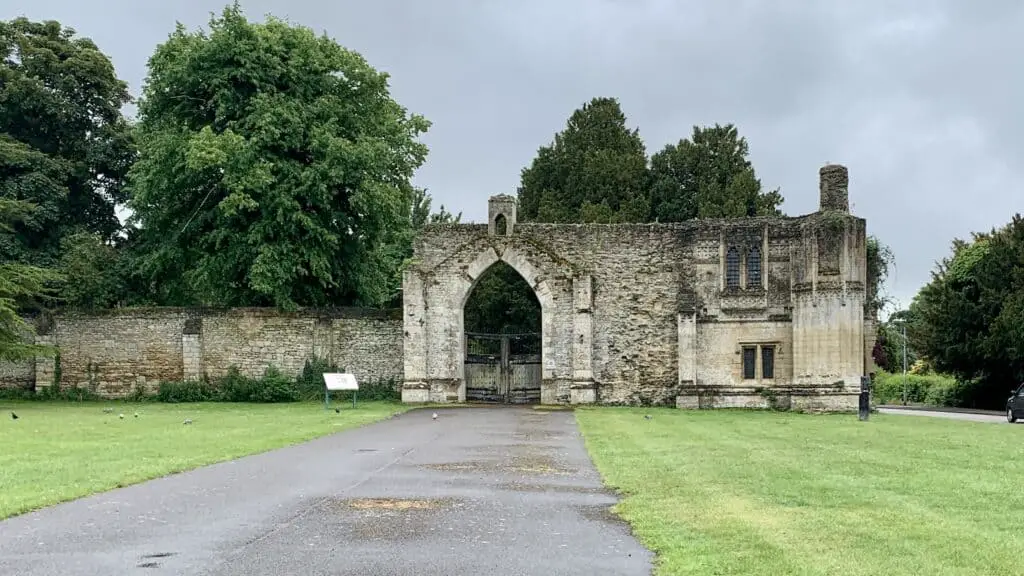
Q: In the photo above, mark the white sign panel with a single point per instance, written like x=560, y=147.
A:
x=341, y=381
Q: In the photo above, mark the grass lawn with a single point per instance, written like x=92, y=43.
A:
x=61, y=451
x=727, y=492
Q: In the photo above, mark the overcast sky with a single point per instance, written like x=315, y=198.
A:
x=920, y=99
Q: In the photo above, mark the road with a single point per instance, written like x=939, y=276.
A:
x=478, y=491
x=976, y=417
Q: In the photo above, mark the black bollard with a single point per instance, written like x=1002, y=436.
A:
x=865, y=397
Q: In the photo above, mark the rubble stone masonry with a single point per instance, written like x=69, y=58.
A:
x=116, y=351
x=664, y=314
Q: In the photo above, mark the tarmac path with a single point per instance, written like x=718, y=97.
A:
x=479, y=491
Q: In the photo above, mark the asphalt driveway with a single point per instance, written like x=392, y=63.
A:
x=479, y=491
x=973, y=415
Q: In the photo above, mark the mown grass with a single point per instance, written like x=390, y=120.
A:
x=726, y=492
x=58, y=451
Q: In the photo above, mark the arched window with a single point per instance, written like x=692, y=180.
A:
x=732, y=268
x=500, y=225
x=754, y=268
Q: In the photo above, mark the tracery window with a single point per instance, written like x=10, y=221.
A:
x=754, y=268
x=732, y=268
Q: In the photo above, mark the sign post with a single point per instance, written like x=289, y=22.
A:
x=339, y=381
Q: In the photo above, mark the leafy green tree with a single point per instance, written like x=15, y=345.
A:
x=422, y=215
x=888, y=353
x=22, y=286
x=96, y=271
x=502, y=302
x=708, y=175
x=595, y=170
x=65, y=146
x=274, y=169
x=969, y=320
x=880, y=261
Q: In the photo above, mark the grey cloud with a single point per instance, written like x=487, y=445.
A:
x=919, y=98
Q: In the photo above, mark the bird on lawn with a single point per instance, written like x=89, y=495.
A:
x=121, y=416
x=108, y=410
x=647, y=416
x=14, y=416
x=337, y=410
x=187, y=421
x=136, y=414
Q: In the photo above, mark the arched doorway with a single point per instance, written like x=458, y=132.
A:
x=503, y=338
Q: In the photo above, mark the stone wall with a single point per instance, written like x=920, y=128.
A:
x=643, y=313
x=116, y=351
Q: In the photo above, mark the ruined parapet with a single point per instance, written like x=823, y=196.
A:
x=834, y=188
x=501, y=215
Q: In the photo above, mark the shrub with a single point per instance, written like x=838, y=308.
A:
x=386, y=390
x=928, y=389
x=139, y=393
x=72, y=393
x=234, y=386
x=311, y=385
x=310, y=382
x=188, y=391
x=17, y=393
x=273, y=386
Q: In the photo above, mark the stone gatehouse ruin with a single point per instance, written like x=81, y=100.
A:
x=755, y=312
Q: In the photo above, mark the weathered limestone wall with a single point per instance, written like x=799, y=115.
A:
x=17, y=374
x=435, y=290
x=648, y=313
x=721, y=344
x=114, y=352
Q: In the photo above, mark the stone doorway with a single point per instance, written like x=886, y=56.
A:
x=503, y=368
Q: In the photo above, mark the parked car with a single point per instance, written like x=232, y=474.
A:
x=1015, y=405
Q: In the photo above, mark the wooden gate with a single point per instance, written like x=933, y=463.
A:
x=503, y=368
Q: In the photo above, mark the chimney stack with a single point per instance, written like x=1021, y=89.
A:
x=834, y=181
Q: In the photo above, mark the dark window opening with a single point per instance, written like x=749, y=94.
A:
x=732, y=268
x=767, y=362
x=754, y=268
x=500, y=225
x=749, y=358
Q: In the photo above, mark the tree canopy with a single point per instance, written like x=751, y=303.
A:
x=21, y=286
x=274, y=169
x=969, y=319
x=708, y=175
x=595, y=170
x=270, y=166
x=65, y=146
